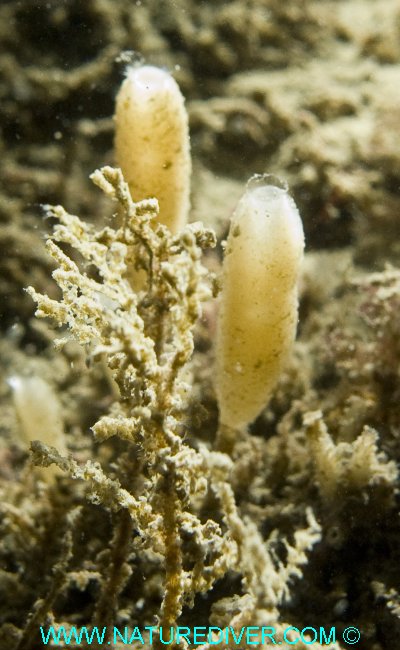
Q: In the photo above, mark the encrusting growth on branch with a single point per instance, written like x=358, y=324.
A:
x=147, y=339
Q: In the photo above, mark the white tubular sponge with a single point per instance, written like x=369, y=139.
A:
x=152, y=143
x=39, y=415
x=258, y=311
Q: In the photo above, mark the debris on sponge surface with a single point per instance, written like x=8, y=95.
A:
x=148, y=523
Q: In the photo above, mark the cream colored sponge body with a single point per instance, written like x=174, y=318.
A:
x=152, y=142
x=259, y=305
